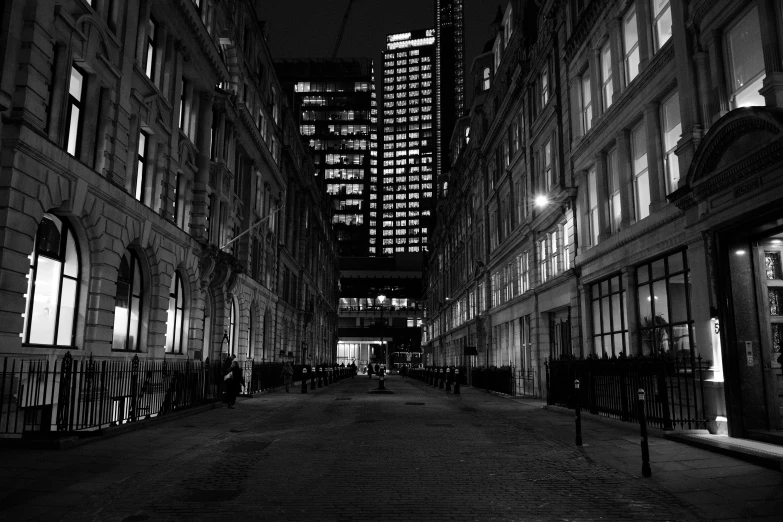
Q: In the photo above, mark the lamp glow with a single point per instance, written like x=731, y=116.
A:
x=541, y=201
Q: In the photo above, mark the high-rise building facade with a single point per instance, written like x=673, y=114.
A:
x=334, y=102
x=409, y=149
x=450, y=74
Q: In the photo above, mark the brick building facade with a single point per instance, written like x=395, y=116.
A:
x=140, y=140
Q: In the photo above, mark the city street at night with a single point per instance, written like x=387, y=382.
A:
x=341, y=453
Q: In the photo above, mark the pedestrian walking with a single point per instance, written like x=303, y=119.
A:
x=288, y=375
x=234, y=383
x=353, y=370
x=369, y=370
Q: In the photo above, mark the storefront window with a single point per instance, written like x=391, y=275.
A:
x=664, y=311
x=610, y=318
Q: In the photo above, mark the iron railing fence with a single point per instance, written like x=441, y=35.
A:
x=674, y=388
x=85, y=394
x=499, y=380
x=525, y=382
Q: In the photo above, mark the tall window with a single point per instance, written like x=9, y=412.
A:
x=592, y=205
x=544, y=83
x=664, y=310
x=746, y=61
x=128, y=305
x=610, y=317
x=554, y=253
x=485, y=79
x=662, y=22
x=587, y=104
x=141, y=167
x=523, y=269
x=607, y=89
x=176, y=316
x=543, y=260
x=151, y=48
x=631, y=45
x=77, y=88
x=670, y=110
x=52, y=286
x=641, y=178
x=232, y=328
x=548, y=177
x=521, y=200
x=613, y=175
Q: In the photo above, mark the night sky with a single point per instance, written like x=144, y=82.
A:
x=309, y=28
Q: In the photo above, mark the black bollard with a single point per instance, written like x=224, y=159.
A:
x=381, y=383
x=448, y=380
x=312, y=379
x=320, y=372
x=456, y=381
x=578, y=410
x=304, y=379
x=646, y=471
x=442, y=379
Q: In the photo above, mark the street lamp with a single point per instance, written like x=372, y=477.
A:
x=381, y=298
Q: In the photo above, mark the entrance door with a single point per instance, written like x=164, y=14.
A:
x=769, y=280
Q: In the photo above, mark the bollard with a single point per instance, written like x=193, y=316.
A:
x=448, y=380
x=320, y=377
x=331, y=376
x=312, y=379
x=646, y=471
x=304, y=379
x=381, y=384
x=442, y=379
x=456, y=381
x=578, y=411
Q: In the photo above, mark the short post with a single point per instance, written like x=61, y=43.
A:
x=312, y=379
x=456, y=380
x=320, y=372
x=381, y=384
x=448, y=380
x=441, y=378
x=646, y=471
x=304, y=379
x=578, y=410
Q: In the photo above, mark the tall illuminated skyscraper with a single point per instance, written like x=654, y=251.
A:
x=450, y=74
x=408, y=148
x=336, y=107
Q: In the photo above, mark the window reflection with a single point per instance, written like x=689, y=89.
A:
x=128, y=308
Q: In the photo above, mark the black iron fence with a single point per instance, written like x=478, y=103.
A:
x=499, y=380
x=674, y=388
x=84, y=394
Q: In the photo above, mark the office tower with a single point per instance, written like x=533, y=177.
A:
x=408, y=151
x=450, y=75
x=334, y=102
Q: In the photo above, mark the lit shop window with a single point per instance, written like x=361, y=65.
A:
x=128, y=304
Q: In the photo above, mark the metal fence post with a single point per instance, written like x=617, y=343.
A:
x=578, y=410
x=646, y=472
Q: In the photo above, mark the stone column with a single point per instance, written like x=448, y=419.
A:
x=199, y=211
x=769, y=19
x=644, y=26
x=104, y=121
x=615, y=44
x=720, y=97
x=595, y=84
x=141, y=35
x=652, y=124
x=706, y=91
x=628, y=276
x=626, y=178
x=602, y=189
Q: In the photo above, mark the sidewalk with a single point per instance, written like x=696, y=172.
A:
x=725, y=478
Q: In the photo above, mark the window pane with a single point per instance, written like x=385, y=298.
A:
x=71, y=268
x=121, y=316
x=136, y=278
x=73, y=130
x=678, y=298
x=747, y=59
x=661, y=301
x=662, y=14
x=133, y=323
x=616, y=309
x=170, y=316
x=606, y=315
x=47, y=292
x=658, y=269
x=76, y=84
x=645, y=308
x=642, y=196
x=67, y=311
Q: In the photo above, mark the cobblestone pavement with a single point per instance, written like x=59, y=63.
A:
x=339, y=453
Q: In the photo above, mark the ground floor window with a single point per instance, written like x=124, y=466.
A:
x=610, y=318
x=663, y=290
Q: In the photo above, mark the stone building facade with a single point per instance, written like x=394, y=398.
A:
x=646, y=136
x=156, y=198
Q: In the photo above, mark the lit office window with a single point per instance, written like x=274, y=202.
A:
x=631, y=45
x=746, y=61
x=76, y=93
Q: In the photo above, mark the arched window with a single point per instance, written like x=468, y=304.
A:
x=52, y=287
x=232, y=321
x=128, y=307
x=206, y=346
x=176, y=316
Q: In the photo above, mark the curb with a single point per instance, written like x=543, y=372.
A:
x=752, y=456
